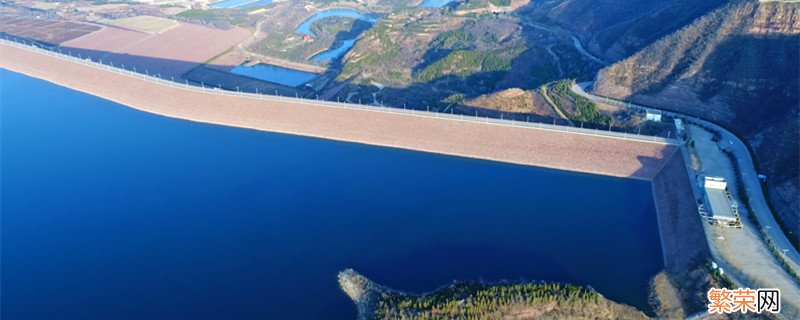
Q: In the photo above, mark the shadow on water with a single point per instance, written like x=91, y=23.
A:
x=339, y=40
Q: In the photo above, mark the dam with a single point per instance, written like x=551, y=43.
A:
x=606, y=153
x=169, y=218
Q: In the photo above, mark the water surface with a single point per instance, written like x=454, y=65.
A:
x=335, y=52
x=344, y=45
x=112, y=213
x=277, y=74
x=305, y=26
x=434, y=3
x=239, y=4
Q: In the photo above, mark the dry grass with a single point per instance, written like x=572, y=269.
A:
x=512, y=100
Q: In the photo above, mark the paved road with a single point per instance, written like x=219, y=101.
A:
x=741, y=252
x=746, y=165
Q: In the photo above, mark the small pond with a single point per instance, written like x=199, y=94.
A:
x=276, y=74
x=239, y=4
x=434, y=3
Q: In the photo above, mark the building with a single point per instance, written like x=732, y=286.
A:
x=652, y=115
x=721, y=208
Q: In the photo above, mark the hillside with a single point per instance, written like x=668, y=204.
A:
x=424, y=57
x=513, y=100
x=737, y=66
x=615, y=29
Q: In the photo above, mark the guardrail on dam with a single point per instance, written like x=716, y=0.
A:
x=56, y=52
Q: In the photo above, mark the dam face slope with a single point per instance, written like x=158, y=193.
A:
x=513, y=144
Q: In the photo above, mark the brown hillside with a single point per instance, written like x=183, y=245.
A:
x=615, y=29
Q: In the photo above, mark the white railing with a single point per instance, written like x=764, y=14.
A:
x=58, y=53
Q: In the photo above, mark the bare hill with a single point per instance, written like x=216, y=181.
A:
x=615, y=29
x=513, y=100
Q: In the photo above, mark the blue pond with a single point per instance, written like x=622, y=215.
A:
x=276, y=74
x=305, y=26
x=345, y=45
x=239, y=4
x=434, y=3
x=112, y=213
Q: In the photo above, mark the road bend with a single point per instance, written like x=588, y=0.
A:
x=748, y=173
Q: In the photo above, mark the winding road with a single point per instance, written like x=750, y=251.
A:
x=748, y=172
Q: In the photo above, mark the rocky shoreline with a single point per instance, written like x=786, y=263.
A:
x=364, y=293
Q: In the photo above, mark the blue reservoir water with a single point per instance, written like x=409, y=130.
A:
x=112, y=213
x=239, y=4
x=434, y=3
x=276, y=74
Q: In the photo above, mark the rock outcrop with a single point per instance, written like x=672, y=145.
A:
x=362, y=291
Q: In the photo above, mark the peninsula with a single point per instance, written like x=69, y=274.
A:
x=475, y=300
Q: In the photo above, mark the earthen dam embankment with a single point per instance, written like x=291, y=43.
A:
x=514, y=144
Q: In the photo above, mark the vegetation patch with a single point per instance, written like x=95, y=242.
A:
x=479, y=301
x=582, y=109
x=464, y=63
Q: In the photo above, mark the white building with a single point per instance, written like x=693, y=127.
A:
x=652, y=115
x=721, y=208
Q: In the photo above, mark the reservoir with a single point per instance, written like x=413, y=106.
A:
x=112, y=213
